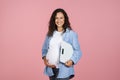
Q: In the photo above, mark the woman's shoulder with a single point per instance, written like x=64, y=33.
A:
x=72, y=32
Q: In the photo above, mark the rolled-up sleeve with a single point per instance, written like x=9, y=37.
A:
x=45, y=47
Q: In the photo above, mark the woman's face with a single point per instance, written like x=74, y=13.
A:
x=59, y=19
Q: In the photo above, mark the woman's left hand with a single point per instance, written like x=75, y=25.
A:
x=69, y=63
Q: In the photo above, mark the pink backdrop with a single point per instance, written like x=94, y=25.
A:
x=23, y=25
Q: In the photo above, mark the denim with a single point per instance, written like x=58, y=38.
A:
x=71, y=37
x=54, y=77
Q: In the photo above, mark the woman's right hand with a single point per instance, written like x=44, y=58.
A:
x=47, y=63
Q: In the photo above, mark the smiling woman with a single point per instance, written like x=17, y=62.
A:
x=59, y=20
x=60, y=30
x=23, y=28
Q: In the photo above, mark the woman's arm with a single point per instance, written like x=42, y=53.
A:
x=76, y=47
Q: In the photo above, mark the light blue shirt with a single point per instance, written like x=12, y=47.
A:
x=71, y=37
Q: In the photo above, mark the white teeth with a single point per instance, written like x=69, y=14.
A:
x=59, y=23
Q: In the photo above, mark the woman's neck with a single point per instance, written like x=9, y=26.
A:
x=59, y=29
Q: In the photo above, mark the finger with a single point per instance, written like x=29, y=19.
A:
x=46, y=62
x=66, y=64
x=52, y=66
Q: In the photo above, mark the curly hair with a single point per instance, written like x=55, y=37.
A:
x=52, y=26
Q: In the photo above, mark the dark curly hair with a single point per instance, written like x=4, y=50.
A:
x=52, y=26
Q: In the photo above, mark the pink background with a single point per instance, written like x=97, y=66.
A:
x=23, y=25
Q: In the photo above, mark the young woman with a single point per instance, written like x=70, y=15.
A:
x=60, y=30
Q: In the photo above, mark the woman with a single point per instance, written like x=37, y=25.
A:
x=60, y=30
